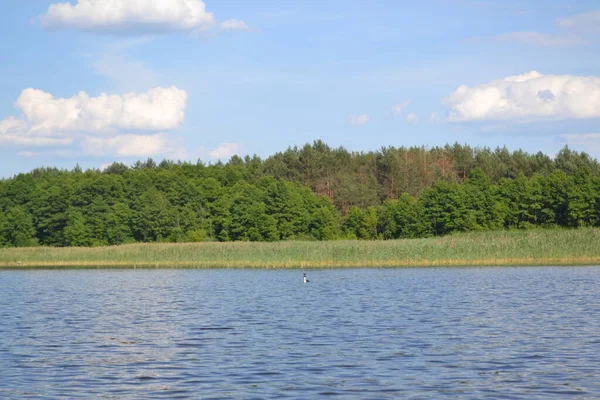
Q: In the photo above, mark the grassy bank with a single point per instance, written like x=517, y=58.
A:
x=538, y=247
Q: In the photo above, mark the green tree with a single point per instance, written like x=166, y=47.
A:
x=49, y=208
x=581, y=199
x=248, y=215
x=3, y=230
x=117, y=223
x=290, y=204
x=76, y=232
x=18, y=229
x=446, y=208
x=482, y=202
x=325, y=222
x=403, y=218
x=360, y=224
x=151, y=219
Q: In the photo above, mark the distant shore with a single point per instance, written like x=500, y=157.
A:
x=500, y=248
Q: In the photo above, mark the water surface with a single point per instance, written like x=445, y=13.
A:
x=468, y=333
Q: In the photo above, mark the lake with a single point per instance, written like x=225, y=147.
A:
x=468, y=333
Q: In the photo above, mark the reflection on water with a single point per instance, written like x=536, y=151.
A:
x=372, y=333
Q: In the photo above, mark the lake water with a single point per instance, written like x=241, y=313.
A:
x=467, y=333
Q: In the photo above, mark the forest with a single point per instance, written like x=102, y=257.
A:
x=315, y=192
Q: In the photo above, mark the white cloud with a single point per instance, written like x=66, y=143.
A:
x=433, y=117
x=531, y=96
x=398, y=108
x=542, y=39
x=116, y=16
x=225, y=150
x=12, y=124
x=361, y=119
x=138, y=17
x=43, y=114
x=234, y=25
x=588, y=22
x=97, y=123
x=19, y=140
x=412, y=118
x=127, y=145
x=14, y=131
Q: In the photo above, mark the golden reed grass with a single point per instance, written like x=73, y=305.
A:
x=501, y=248
x=313, y=264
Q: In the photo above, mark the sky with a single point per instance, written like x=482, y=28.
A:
x=91, y=82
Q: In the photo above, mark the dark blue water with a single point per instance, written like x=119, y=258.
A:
x=473, y=333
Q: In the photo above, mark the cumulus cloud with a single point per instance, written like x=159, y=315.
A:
x=412, y=118
x=542, y=39
x=11, y=124
x=361, y=119
x=531, y=96
x=129, y=15
x=225, y=150
x=14, y=131
x=97, y=123
x=137, y=16
x=234, y=25
x=398, y=108
x=43, y=114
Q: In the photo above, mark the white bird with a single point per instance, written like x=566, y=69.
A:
x=305, y=280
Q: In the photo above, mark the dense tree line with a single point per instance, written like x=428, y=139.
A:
x=369, y=178
x=312, y=193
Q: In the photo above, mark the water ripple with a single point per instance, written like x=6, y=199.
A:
x=472, y=333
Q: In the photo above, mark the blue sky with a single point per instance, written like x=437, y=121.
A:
x=193, y=79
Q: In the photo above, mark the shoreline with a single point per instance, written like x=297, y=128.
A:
x=583, y=262
x=578, y=247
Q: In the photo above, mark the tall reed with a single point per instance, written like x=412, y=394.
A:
x=536, y=247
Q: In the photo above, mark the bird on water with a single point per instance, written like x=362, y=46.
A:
x=305, y=280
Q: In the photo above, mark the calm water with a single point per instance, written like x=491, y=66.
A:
x=468, y=333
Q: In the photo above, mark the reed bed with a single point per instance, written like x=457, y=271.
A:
x=501, y=248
